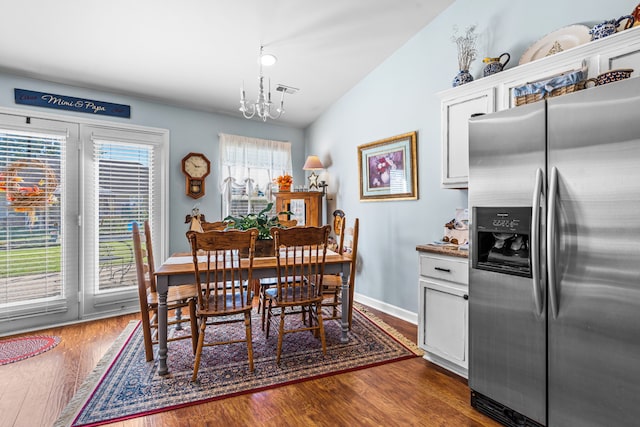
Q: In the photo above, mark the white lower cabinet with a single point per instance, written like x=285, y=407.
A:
x=443, y=318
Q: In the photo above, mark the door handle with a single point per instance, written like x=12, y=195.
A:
x=551, y=241
x=535, y=243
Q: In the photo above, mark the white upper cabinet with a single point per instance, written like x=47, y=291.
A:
x=455, y=134
x=495, y=93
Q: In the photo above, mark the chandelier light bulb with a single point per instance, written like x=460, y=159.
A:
x=262, y=105
x=268, y=59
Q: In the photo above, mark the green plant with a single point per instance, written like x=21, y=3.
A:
x=261, y=220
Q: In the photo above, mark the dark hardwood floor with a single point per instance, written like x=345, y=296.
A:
x=413, y=392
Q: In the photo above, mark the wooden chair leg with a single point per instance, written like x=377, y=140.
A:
x=148, y=339
x=269, y=315
x=314, y=316
x=321, y=327
x=350, y=305
x=280, y=335
x=247, y=324
x=196, y=364
x=264, y=309
x=194, y=325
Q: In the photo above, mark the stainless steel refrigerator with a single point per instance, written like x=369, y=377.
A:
x=554, y=280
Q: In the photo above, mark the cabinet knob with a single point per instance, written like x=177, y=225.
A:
x=446, y=270
x=465, y=296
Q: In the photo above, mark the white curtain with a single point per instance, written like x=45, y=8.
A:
x=251, y=163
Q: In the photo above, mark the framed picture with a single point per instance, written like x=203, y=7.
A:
x=388, y=168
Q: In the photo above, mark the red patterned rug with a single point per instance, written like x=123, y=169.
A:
x=14, y=349
x=125, y=386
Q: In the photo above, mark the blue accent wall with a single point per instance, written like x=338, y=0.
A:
x=397, y=97
x=190, y=130
x=401, y=95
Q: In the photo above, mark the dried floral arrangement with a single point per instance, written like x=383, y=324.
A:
x=284, y=180
x=466, y=46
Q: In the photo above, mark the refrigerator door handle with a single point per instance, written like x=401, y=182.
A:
x=535, y=243
x=551, y=241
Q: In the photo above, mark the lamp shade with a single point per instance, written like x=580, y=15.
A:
x=312, y=163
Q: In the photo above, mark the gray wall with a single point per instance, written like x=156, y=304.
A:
x=190, y=131
x=401, y=96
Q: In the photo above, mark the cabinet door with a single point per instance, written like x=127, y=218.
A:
x=625, y=57
x=445, y=322
x=455, y=134
x=306, y=206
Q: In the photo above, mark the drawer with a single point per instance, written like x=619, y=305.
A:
x=445, y=268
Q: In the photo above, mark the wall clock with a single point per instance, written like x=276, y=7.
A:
x=196, y=167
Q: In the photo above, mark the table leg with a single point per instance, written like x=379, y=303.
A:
x=162, y=286
x=344, y=321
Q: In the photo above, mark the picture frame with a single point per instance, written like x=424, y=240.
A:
x=388, y=168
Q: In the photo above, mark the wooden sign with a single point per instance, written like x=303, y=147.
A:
x=62, y=102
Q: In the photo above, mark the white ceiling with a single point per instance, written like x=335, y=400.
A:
x=197, y=53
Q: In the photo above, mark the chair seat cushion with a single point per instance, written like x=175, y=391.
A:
x=331, y=281
x=175, y=294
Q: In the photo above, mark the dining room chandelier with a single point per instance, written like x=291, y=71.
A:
x=263, y=105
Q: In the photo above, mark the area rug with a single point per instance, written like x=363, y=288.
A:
x=14, y=349
x=125, y=386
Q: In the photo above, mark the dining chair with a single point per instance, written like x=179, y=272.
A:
x=268, y=282
x=332, y=284
x=300, y=256
x=178, y=297
x=213, y=226
x=224, y=282
x=338, y=229
x=288, y=223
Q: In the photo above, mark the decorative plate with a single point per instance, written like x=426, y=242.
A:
x=557, y=41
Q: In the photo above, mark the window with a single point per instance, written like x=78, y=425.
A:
x=124, y=180
x=248, y=167
x=30, y=174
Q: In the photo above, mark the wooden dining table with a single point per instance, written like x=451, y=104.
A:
x=178, y=269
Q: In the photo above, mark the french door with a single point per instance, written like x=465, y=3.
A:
x=122, y=184
x=39, y=232
x=69, y=194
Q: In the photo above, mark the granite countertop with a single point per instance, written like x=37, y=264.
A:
x=443, y=250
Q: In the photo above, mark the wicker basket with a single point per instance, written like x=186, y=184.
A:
x=556, y=86
x=534, y=97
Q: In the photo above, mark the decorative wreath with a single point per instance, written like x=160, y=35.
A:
x=29, y=185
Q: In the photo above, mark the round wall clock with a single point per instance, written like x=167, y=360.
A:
x=196, y=167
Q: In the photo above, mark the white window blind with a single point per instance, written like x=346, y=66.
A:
x=31, y=261
x=247, y=169
x=124, y=179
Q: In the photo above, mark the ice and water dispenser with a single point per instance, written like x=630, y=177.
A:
x=501, y=240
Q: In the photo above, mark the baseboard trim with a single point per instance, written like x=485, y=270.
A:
x=398, y=312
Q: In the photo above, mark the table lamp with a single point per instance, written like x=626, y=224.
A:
x=313, y=164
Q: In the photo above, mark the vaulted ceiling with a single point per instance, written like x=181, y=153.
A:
x=197, y=53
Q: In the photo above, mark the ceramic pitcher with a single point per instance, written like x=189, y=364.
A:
x=607, y=28
x=495, y=65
